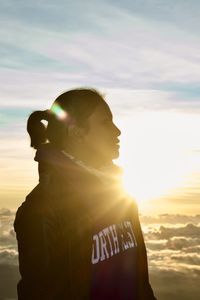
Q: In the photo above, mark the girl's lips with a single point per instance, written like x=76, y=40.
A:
x=117, y=141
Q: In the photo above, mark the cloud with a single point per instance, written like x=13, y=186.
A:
x=175, y=285
x=173, y=254
x=114, y=47
x=8, y=257
x=9, y=272
x=172, y=219
x=189, y=230
x=7, y=234
x=7, y=237
x=130, y=101
x=8, y=284
x=5, y=213
x=183, y=243
x=177, y=14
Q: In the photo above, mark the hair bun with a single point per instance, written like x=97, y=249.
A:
x=36, y=128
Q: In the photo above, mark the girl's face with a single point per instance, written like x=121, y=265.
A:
x=101, y=141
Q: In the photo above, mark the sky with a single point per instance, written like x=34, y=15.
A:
x=145, y=57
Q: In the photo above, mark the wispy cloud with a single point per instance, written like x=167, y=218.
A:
x=111, y=47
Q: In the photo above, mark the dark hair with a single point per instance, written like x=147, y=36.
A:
x=79, y=103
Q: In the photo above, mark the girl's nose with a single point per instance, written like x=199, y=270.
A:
x=117, y=130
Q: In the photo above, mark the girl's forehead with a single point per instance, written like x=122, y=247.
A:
x=100, y=113
x=102, y=110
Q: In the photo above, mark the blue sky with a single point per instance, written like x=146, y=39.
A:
x=143, y=54
x=124, y=44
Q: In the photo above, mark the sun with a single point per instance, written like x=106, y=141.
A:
x=157, y=153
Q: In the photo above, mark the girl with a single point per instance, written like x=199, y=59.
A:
x=78, y=232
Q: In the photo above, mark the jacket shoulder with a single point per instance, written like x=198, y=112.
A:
x=33, y=206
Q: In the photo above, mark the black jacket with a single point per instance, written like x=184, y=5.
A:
x=54, y=228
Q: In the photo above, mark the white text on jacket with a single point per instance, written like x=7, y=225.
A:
x=112, y=240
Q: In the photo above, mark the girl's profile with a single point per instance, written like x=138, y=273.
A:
x=78, y=232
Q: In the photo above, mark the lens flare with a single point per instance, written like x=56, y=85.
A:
x=59, y=112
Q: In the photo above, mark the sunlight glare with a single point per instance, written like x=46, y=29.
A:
x=157, y=152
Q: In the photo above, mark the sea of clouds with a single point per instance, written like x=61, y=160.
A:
x=173, y=245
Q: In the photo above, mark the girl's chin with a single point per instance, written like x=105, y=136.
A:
x=115, y=154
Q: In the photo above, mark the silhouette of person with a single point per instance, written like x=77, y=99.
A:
x=78, y=232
